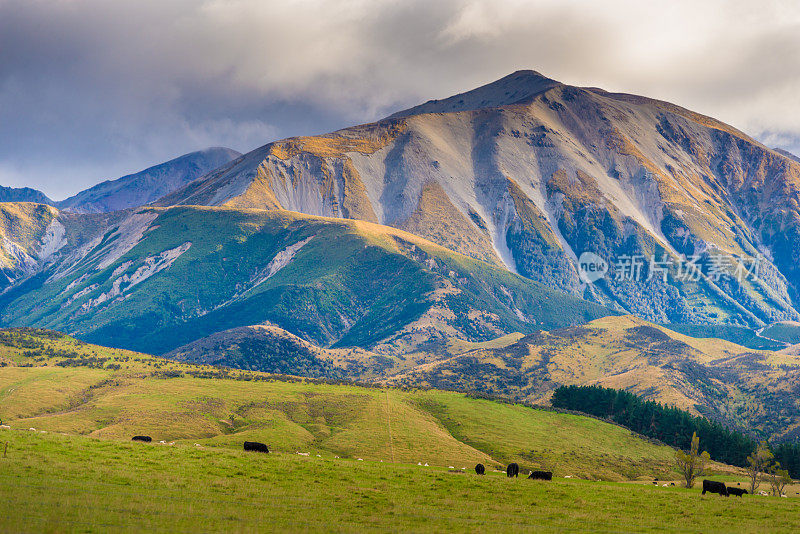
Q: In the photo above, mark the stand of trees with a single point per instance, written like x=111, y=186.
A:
x=667, y=424
x=788, y=454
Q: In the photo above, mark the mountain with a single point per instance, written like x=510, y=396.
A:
x=440, y=247
x=148, y=185
x=23, y=194
x=527, y=173
x=154, y=279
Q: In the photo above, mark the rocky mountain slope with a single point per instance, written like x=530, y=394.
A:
x=529, y=173
x=148, y=185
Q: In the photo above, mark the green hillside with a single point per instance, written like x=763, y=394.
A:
x=786, y=331
x=162, y=278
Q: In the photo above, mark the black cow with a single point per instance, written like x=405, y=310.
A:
x=255, y=446
x=146, y=439
x=714, y=487
x=541, y=475
x=480, y=469
x=738, y=492
x=512, y=470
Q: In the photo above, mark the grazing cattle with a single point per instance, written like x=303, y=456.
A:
x=738, y=492
x=541, y=475
x=255, y=446
x=480, y=469
x=714, y=487
x=146, y=439
x=512, y=470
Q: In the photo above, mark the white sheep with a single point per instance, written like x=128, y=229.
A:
x=303, y=453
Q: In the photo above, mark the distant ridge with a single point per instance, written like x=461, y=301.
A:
x=148, y=185
x=23, y=194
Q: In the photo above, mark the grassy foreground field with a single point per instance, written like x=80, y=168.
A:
x=55, y=483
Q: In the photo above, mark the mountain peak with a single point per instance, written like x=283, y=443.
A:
x=515, y=87
x=150, y=184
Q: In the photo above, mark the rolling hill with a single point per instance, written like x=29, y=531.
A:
x=744, y=388
x=55, y=383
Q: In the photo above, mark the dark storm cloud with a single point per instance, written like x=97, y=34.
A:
x=92, y=89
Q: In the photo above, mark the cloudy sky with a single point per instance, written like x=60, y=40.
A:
x=94, y=89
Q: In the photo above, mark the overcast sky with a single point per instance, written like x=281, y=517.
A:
x=95, y=89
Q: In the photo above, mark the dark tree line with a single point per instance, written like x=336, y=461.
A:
x=665, y=423
x=671, y=425
x=788, y=455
